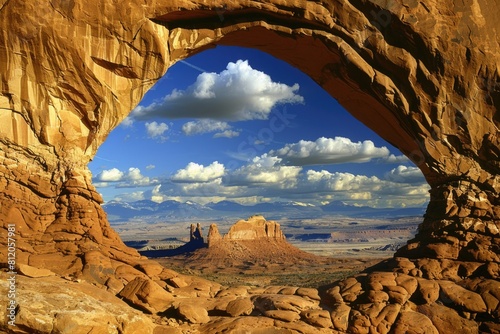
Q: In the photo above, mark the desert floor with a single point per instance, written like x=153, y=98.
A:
x=344, y=246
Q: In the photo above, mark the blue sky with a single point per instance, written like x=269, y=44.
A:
x=238, y=124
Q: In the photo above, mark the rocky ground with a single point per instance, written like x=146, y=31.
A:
x=246, y=255
x=253, y=273
x=427, y=73
x=397, y=295
x=392, y=297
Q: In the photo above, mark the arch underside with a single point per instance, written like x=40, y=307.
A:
x=425, y=81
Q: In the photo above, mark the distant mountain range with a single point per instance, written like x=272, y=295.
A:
x=150, y=211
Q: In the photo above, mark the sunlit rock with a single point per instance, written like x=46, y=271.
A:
x=424, y=76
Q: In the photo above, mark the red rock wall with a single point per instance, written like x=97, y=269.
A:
x=255, y=228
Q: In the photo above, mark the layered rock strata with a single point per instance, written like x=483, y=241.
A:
x=256, y=240
x=254, y=229
x=423, y=75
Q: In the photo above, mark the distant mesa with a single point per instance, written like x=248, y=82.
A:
x=253, y=239
x=255, y=228
x=252, y=242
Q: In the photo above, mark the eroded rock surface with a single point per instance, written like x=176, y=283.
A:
x=56, y=305
x=255, y=228
x=252, y=242
x=423, y=75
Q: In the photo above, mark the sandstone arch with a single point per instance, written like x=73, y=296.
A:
x=428, y=73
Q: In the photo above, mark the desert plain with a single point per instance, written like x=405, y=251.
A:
x=339, y=246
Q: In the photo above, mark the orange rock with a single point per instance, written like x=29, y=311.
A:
x=30, y=271
x=461, y=298
x=283, y=302
x=287, y=316
x=427, y=292
x=256, y=227
x=147, y=295
x=62, y=305
x=433, y=94
x=410, y=322
x=240, y=306
x=151, y=268
x=317, y=318
x=308, y=292
x=193, y=314
x=340, y=316
x=447, y=320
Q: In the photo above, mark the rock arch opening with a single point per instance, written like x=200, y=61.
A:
x=72, y=71
x=368, y=57
x=302, y=148
x=370, y=69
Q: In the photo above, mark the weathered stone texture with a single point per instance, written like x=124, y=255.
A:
x=55, y=305
x=254, y=229
x=423, y=75
x=431, y=87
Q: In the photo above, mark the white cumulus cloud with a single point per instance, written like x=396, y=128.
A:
x=127, y=122
x=265, y=170
x=405, y=174
x=117, y=178
x=198, y=173
x=392, y=159
x=330, y=151
x=130, y=197
x=238, y=93
x=227, y=134
x=204, y=126
x=110, y=175
x=265, y=178
x=326, y=181
x=155, y=129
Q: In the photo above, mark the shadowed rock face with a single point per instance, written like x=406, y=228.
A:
x=424, y=75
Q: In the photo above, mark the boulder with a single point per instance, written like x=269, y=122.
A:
x=317, y=318
x=193, y=314
x=192, y=286
x=410, y=322
x=308, y=293
x=427, y=292
x=240, y=306
x=146, y=295
x=257, y=325
x=340, y=316
x=461, y=298
x=489, y=291
x=114, y=285
x=30, y=271
x=447, y=320
x=97, y=267
x=238, y=291
x=287, y=316
x=55, y=305
x=350, y=289
x=283, y=302
x=151, y=268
